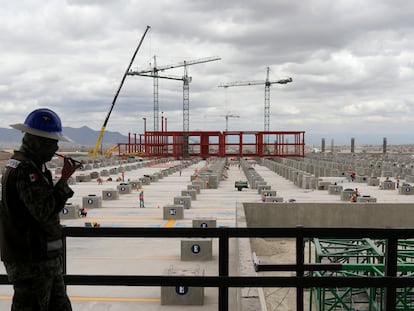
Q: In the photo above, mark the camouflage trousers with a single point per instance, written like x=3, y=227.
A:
x=38, y=286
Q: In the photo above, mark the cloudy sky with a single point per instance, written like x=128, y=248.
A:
x=351, y=61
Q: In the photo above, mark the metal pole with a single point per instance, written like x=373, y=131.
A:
x=391, y=253
x=300, y=258
x=223, y=268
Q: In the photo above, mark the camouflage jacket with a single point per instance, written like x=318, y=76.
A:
x=29, y=213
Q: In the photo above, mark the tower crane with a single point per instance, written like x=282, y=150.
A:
x=267, y=83
x=95, y=152
x=154, y=73
x=227, y=116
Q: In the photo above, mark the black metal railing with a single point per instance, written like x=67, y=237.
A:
x=223, y=281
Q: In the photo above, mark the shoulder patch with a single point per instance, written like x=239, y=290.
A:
x=33, y=177
x=13, y=163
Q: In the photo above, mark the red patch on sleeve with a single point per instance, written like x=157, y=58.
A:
x=33, y=177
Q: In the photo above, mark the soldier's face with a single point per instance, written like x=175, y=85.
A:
x=48, y=148
x=43, y=148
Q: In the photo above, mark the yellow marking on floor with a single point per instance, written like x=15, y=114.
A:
x=170, y=223
x=114, y=299
x=125, y=258
x=108, y=299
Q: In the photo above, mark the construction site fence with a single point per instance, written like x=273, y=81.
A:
x=223, y=281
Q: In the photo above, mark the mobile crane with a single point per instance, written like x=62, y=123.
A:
x=95, y=151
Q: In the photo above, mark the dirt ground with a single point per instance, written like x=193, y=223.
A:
x=275, y=250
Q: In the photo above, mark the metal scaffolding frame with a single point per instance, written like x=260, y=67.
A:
x=359, y=258
x=215, y=144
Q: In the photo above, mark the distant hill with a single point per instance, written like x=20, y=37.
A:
x=83, y=136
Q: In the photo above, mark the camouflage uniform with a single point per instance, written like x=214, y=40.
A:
x=30, y=232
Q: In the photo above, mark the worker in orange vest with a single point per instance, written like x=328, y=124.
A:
x=141, y=199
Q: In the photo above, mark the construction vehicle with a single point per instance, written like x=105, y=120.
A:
x=95, y=151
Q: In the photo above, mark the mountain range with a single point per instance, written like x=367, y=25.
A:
x=83, y=136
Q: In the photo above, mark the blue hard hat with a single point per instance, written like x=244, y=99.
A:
x=42, y=122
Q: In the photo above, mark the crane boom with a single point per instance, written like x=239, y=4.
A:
x=255, y=82
x=181, y=64
x=101, y=133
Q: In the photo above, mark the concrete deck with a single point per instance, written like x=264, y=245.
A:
x=154, y=256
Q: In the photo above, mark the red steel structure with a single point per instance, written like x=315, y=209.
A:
x=216, y=144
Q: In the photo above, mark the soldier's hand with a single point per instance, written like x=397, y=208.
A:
x=69, y=167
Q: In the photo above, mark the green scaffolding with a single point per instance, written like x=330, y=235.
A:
x=362, y=258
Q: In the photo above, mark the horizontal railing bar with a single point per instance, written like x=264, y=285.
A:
x=262, y=267
x=239, y=281
x=339, y=233
x=234, y=281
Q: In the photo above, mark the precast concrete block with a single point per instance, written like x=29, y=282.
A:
x=110, y=194
x=406, y=189
x=323, y=185
x=373, y=181
x=273, y=199
x=306, y=181
x=175, y=211
x=261, y=188
x=346, y=194
x=387, y=185
x=104, y=173
x=204, y=222
x=366, y=199
x=145, y=180
x=314, y=183
x=259, y=183
x=335, y=189
x=196, y=249
x=190, y=193
x=385, y=173
x=213, y=181
x=409, y=178
x=182, y=295
x=124, y=188
x=361, y=178
x=155, y=177
x=268, y=193
x=198, y=183
x=135, y=184
x=194, y=187
x=92, y=201
x=83, y=178
x=94, y=175
x=70, y=211
x=183, y=200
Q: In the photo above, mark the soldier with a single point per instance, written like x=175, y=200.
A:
x=30, y=232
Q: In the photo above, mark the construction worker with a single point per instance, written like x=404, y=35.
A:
x=141, y=199
x=30, y=232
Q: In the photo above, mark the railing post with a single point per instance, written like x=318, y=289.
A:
x=223, y=269
x=64, y=254
x=300, y=269
x=391, y=253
